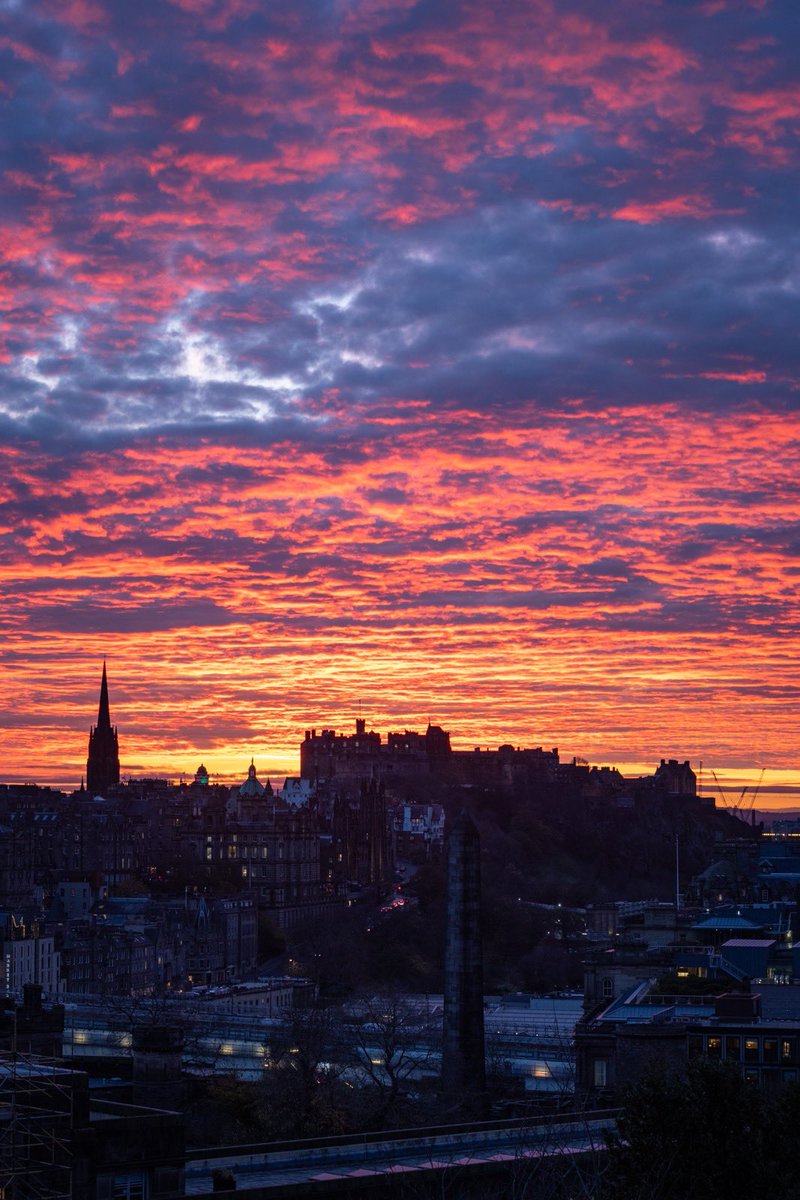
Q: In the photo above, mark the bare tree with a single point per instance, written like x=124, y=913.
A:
x=304, y=1072
x=394, y=1046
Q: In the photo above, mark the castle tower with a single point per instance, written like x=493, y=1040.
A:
x=102, y=765
x=463, y=1056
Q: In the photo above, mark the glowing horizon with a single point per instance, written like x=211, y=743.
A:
x=731, y=786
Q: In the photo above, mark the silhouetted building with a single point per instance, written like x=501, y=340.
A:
x=157, y=1061
x=350, y=758
x=676, y=778
x=102, y=765
x=248, y=838
x=643, y=1029
x=108, y=960
x=418, y=831
x=360, y=833
x=31, y=1027
x=463, y=1056
x=61, y=1140
x=408, y=761
x=224, y=940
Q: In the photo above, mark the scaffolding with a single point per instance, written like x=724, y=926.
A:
x=37, y=1120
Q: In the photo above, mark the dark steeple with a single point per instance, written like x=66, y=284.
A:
x=103, y=712
x=102, y=765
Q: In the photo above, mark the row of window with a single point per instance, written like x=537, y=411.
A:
x=744, y=1048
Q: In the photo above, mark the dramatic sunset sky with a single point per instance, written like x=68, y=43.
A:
x=438, y=357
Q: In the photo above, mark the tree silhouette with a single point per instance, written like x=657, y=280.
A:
x=710, y=1135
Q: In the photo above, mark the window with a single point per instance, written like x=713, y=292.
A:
x=733, y=1047
x=751, y=1074
x=600, y=1072
x=750, y=1051
x=695, y=1045
x=787, y=1049
x=608, y=989
x=129, y=1186
x=770, y=1050
x=714, y=1047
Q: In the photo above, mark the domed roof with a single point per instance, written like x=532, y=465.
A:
x=251, y=787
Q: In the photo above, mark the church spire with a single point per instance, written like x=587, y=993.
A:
x=103, y=712
x=102, y=765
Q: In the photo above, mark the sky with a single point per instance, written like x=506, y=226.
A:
x=429, y=360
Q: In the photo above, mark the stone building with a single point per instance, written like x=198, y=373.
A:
x=222, y=943
x=359, y=830
x=106, y=960
x=29, y=955
x=250, y=839
x=409, y=761
x=350, y=758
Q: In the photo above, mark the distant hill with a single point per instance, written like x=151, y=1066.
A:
x=552, y=844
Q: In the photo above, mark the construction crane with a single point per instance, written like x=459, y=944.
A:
x=721, y=790
x=748, y=813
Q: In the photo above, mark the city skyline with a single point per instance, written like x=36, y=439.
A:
x=383, y=357
x=740, y=790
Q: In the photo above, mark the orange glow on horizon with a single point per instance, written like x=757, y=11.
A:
x=239, y=604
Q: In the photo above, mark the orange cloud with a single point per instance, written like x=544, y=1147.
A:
x=497, y=561
x=695, y=207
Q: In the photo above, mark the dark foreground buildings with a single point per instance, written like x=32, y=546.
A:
x=203, y=871
x=58, y=1141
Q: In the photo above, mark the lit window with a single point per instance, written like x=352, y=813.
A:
x=750, y=1051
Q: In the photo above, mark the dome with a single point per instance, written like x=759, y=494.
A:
x=251, y=787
